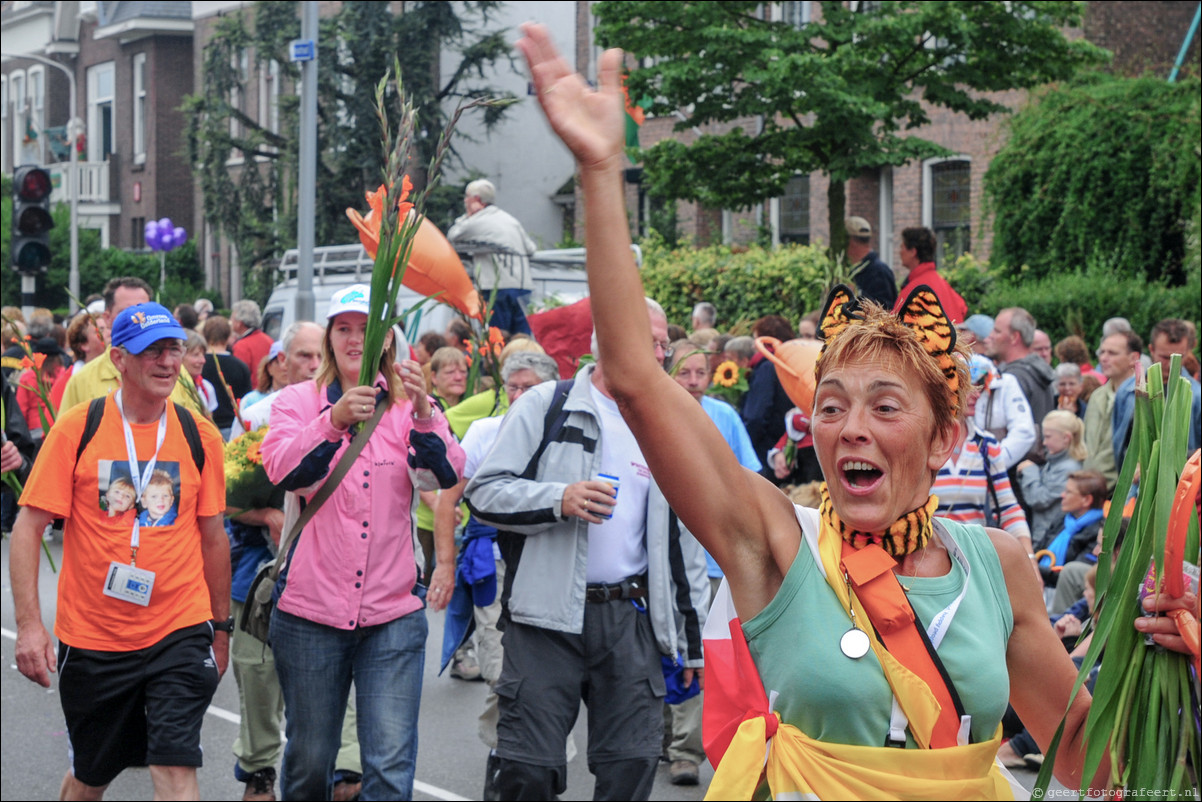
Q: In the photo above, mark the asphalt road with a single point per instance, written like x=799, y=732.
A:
x=450, y=763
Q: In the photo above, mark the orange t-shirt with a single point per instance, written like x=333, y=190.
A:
x=99, y=510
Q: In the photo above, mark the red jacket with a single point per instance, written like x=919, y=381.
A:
x=925, y=273
x=251, y=348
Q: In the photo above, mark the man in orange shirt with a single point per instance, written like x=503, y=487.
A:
x=143, y=610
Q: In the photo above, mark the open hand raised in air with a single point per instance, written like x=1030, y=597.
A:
x=590, y=121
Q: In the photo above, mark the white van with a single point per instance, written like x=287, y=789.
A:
x=558, y=275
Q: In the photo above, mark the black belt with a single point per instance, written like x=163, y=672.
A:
x=632, y=587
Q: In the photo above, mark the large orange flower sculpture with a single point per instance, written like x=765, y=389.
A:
x=434, y=267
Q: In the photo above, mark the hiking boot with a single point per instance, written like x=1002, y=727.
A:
x=260, y=787
x=683, y=772
x=348, y=787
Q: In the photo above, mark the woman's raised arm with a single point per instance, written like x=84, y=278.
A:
x=734, y=513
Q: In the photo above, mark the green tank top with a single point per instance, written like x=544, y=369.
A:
x=794, y=642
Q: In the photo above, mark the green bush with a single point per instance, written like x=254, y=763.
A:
x=744, y=284
x=1104, y=168
x=1079, y=301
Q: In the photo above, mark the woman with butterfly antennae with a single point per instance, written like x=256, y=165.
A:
x=845, y=582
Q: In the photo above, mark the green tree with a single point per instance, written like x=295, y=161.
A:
x=840, y=95
x=1105, y=169
x=256, y=208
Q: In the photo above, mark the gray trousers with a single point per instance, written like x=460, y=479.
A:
x=613, y=666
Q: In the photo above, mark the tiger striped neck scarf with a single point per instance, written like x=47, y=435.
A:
x=906, y=535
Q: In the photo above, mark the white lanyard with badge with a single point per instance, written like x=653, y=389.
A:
x=128, y=582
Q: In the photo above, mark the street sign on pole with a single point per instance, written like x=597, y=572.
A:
x=302, y=50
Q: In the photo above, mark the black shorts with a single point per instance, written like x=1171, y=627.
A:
x=137, y=708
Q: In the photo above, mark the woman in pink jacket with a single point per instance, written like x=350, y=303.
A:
x=350, y=603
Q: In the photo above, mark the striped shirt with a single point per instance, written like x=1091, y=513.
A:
x=963, y=491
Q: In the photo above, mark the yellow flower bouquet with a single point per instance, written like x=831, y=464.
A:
x=246, y=484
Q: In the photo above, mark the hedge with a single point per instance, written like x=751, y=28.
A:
x=1078, y=301
x=743, y=283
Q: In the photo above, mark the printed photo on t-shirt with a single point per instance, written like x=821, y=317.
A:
x=159, y=505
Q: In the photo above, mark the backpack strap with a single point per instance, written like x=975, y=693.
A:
x=553, y=423
x=511, y=543
x=91, y=424
x=187, y=423
x=192, y=435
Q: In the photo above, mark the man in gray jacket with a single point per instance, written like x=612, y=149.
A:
x=500, y=250
x=601, y=580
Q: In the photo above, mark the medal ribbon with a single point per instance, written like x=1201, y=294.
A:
x=139, y=481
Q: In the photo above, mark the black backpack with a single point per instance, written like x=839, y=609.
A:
x=186, y=421
x=510, y=543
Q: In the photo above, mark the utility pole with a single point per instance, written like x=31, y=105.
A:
x=304, y=50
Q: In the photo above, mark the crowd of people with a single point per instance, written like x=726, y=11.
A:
x=576, y=529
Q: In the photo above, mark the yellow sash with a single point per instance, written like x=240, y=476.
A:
x=800, y=767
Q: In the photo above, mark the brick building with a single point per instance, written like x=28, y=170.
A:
x=943, y=194
x=131, y=64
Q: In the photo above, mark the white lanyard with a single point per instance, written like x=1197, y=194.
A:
x=939, y=625
x=139, y=480
x=937, y=629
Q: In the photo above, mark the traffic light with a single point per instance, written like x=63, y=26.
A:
x=31, y=220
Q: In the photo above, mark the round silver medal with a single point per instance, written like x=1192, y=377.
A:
x=854, y=643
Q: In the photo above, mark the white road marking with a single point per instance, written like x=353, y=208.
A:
x=234, y=718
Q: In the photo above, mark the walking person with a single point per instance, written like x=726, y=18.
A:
x=350, y=607
x=143, y=610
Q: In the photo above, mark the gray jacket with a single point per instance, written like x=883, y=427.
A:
x=1041, y=490
x=500, y=248
x=549, y=580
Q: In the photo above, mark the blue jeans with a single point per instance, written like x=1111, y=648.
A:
x=316, y=665
x=509, y=311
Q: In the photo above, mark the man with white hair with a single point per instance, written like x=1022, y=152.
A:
x=598, y=585
x=705, y=316
x=500, y=250
x=251, y=343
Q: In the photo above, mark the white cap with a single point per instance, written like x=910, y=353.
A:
x=96, y=307
x=352, y=299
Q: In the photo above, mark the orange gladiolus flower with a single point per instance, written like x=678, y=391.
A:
x=35, y=362
x=434, y=266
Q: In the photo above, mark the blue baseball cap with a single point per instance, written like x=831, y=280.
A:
x=980, y=325
x=138, y=326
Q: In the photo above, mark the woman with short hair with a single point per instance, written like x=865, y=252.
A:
x=889, y=392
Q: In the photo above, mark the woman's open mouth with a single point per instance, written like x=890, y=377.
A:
x=858, y=475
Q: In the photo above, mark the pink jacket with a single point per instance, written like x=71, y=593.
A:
x=354, y=563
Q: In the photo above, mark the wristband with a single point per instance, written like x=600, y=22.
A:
x=226, y=626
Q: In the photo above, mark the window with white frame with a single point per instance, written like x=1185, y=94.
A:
x=793, y=13
x=140, y=108
x=241, y=65
x=795, y=211
x=947, y=202
x=17, y=90
x=101, y=81
x=4, y=161
x=35, y=123
x=269, y=99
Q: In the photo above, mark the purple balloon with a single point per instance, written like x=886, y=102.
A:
x=152, y=239
x=180, y=236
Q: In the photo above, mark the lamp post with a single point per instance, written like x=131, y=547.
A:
x=73, y=131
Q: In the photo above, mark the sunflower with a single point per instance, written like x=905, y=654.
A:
x=727, y=374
